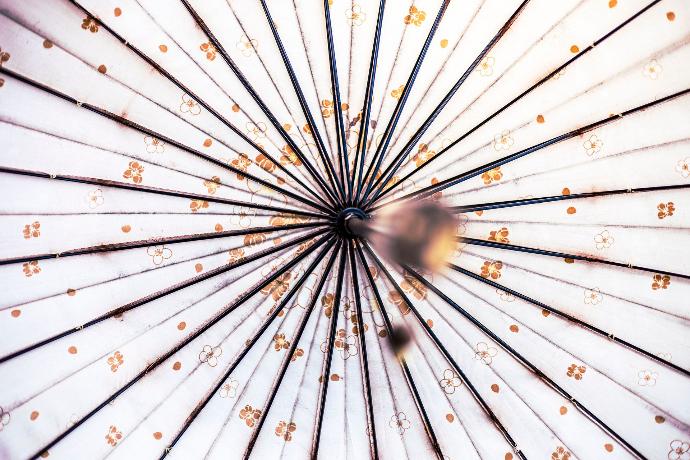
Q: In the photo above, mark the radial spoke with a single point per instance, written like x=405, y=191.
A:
x=198, y=332
x=262, y=105
x=520, y=96
x=381, y=150
x=330, y=169
x=442, y=185
x=397, y=161
x=149, y=132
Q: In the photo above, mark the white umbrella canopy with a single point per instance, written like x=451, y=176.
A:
x=176, y=283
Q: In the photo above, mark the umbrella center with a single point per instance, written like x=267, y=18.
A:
x=350, y=223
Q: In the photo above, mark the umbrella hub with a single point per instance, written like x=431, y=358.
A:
x=350, y=223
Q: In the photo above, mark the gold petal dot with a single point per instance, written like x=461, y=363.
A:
x=72, y=350
x=566, y=191
x=335, y=377
x=608, y=447
x=157, y=435
x=163, y=48
x=16, y=313
x=102, y=68
x=671, y=16
x=198, y=267
x=444, y=43
x=574, y=49
x=235, y=108
x=177, y=366
x=34, y=415
x=430, y=322
x=71, y=292
x=47, y=44
x=450, y=417
x=45, y=454
x=569, y=260
x=571, y=210
x=208, y=142
x=613, y=3
x=540, y=118
x=494, y=388
x=563, y=410
x=218, y=228
x=181, y=325
x=545, y=313
x=126, y=228
x=117, y=12
x=514, y=328
x=659, y=419
x=508, y=456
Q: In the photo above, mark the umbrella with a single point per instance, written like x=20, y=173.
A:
x=178, y=274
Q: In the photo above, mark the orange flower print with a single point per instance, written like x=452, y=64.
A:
x=158, y=253
x=197, y=205
x=503, y=141
x=647, y=378
x=500, y=236
x=209, y=49
x=189, y=105
x=399, y=422
x=486, y=67
x=665, y=209
x=437, y=195
x=236, y=255
x=680, y=450
x=450, y=381
x=576, y=372
x=593, y=296
x=345, y=344
x=492, y=270
x=90, y=24
x=154, y=145
x=560, y=454
x=265, y=163
x=327, y=302
x=286, y=219
x=493, y=175
x=397, y=93
x=423, y=155
x=412, y=285
x=397, y=300
x=304, y=246
x=134, y=172
x=299, y=352
x=284, y=430
x=229, y=389
x=683, y=167
x=355, y=16
x=256, y=130
x=593, y=145
x=652, y=70
x=281, y=343
x=660, y=281
x=31, y=268
x=603, y=240
x=95, y=198
x=254, y=238
x=242, y=162
x=250, y=415
x=326, y=108
x=32, y=230
x=278, y=287
x=212, y=185
x=113, y=436
x=115, y=361
x=416, y=16
x=289, y=156
x=246, y=45
x=209, y=355
x=484, y=353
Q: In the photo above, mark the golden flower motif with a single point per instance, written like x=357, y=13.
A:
x=265, y=163
x=484, y=353
x=159, y=253
x=503, y=141
x=397, y=93
x=31, y=268
x=492, y=175
x=304, y=246
x=399, y=422
x=90, y=24
x=289, y=156
x=209, y=355
x=593, y=145
x=345, y=344
x=250, y=415
x=114, y=435
x=254, y=238
x=236, y=255
x=665, y=209
x=32, y=230
x=412, y=285
x=197, y=205
x=680, y=450
x=246, y=45
x=212, y=185
x=281, y=343
x=450, y=381
x=660, y=281
x=355, y=16
x=575, y=371
x=500, y=236
x=115, y=361
x=209, y=49
x=492, y=270
x=134, y=172
x=603, y=240
x=278, y=287
x=486, y=66
x=298, y=353
x=284, y=430
x=652, y=70
x=154, y=145
x=242, y=162
x=647, y=378
x=560, y=454
x=683, y=167
x=327, y=302
x=286, y=219
x=593, y=296
x=416, y=16
x=397, y=300
x=189, y=105
x=423, y=155
x=229, y=389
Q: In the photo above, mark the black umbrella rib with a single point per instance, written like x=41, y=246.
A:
x=397, y=112
x=293, y=346
x=525, y=362
x=162, y=293
x=366, y=108
x=339, y=125
x=521, y=95
x=328, y=358
x=332, y=175
x=571, y=318
x=442, y=185
x=397, y=161
x=262, y=105
x=250, y=344
x=364, y=360
x=201, y=102
x=149, y=132
x=156, y=241
x=234, y=305
x=154, y=190
x=473, y=390
x=547, y=199
x=543, y=252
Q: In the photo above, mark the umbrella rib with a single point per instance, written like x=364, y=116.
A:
x=328, y=358
x=442, y=185
x=339, y=125
x=155, y=241
x=364, y=360
x=154, y=190
x=250, y=344
x=262, y=105
x=525, y=362
x=473, y=390
x=238, y=302
x=201, y=102
x=332, y=175
x=571, y=318
x=149, y=132
x=521, y=95
x=544, y=252
x=428, y=428
x=162, y=293
x=397, y=161
x=397, y=112
x=288, y=357
x=368, y=97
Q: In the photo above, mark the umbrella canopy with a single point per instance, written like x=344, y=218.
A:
x=177, y=280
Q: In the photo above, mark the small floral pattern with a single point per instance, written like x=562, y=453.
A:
x=665, y=210
x=90, y=24
x=652, y=70
x=491, y=270
x=289, y=156
x=593, y=145
x=646, y=378
x=284, y=430
x=134, y=172
x=197, y=205
x=593, y=296
x=209, y=49
x=256, y=130
x=355, y=16
x=483, y=352
x=297, y=354
x=158, y=253
x=486, y=67
x=242, y=162
x=212, y=185
x=189, y=105
x=503, y=141
x=397, y=93
x=31, y=268
x=115, y=361
x=209, y=355
x=450, y=381
x=399, y=422
x=250, y=415
x=660, y=281
x=327, y=302
x=246, y=45
x=345, y=344
x=281, y=343
x=493, y=175
x=236, y=255
x=680, y=450
x=32, y=230
x=416, y=16
x=560, y=454
x=423, y=155
x=603, y=240
x=255, y=238
x=278, y=287
x=500, y=236
x=95, y=198
x=113, y=436
x=683, y=167
x=505, y=296
x=229, y=389
x=154, y=145
x=413, y=286
x=576, y=371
